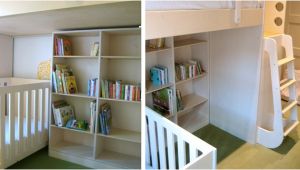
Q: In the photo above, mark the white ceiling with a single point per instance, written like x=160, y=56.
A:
x=117, y=14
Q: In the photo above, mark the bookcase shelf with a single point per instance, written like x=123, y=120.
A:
x=79, y=57
x=153, y=50
x=119, y=100
x=74, y=130
x=186, y=51
x=187, y=42
x=190, y=79
x=119, y=58
x=151, y=88
x=119, y=160
x=70, y=148
x=80, y=95
x=125, y=135
x=190, y=101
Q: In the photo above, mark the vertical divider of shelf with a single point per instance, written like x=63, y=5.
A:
x=209, y=72
x=95, y=148
x=51, y=93
x=175, y=119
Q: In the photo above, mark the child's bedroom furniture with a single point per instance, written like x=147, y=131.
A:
x=24, y=107
x=277, y=119
x=119, y=59
x=227, y=38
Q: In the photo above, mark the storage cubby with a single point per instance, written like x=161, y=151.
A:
x=194, y=88
x=119, y=59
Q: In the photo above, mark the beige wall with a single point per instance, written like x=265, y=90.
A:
x=292, y=27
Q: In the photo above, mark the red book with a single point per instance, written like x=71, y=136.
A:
x=110, y=90
x=138, y=98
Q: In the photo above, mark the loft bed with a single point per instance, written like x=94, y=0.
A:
x=165, y=19
x=227, y=37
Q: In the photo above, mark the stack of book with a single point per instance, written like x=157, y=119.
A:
x=62, y=113
x=120, y=91
x=62, y=46
x=63, y=79
x=93, y=115
x=163, y=102
x=92, y=84
x=188, y=70
x=159, y=75
x=179, y=100
x=105, y=119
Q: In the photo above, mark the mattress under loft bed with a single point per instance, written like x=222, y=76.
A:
x=166, y=19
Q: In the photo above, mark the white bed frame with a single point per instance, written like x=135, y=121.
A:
x=180, y=22
x=163, y=136
x=183, y=22
x=24, y=107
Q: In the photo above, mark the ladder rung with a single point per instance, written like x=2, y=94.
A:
x=285, y=60
x=290, y=127
x=289, y=106
x=287, y=83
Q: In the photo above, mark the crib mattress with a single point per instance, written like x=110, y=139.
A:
x=7, y=135
x=193, y=5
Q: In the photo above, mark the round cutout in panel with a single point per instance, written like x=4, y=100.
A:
x=278, y=21
x=279, y=6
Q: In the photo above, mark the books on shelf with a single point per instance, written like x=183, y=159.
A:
x=77, y=124
x=159, y=75
x=179, y=100
x=63, y=80
x=92, y=86
x=93, y=115
x=95, y=49
x=62, y=46
x=120, y=91
x=188, y=70
x=163, y=101
x=62, y=112
x=105, y=119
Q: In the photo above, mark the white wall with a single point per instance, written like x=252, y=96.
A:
x=29, y=51
x=6, y=55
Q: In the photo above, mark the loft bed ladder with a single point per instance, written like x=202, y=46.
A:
x=285, y=118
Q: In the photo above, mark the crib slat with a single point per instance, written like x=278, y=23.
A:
x=12, y=104
x=153, y=146
x=147, y=145
x=28, y=117
x=21, y=119
x=193, y=153
x=36, y=114
x=46, y=111
x=161, y=146
x=171, y=150
x=2, y=106
x=181, y=151
x=42, y=117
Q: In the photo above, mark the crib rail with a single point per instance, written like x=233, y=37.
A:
x=169, y=146
x=23, y=121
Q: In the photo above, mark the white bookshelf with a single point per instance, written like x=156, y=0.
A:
x=119, y=59
x=194, y=91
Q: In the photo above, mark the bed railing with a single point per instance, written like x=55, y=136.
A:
x=169, y=146
x=24, y=120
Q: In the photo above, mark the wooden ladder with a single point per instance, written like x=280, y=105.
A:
x=285, y=117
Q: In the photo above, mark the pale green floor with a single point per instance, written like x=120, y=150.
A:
x=235, y=153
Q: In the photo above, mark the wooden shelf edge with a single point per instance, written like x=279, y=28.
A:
x=156, y=88
x=73, y=130
x=118, y=134
x=119, y=100
x=190, y=79
x=75, y=56
x=80, y=95
x=190, y=101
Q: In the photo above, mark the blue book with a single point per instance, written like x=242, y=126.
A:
x=155, y=76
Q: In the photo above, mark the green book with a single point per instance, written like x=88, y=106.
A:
x=102, y=89
x=123, y=92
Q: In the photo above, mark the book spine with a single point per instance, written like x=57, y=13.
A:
x=114, y=91
x=123, y=92
x=170, y=101
x=110, y=89
x=118, y=89
x=54, y=81
x=126, y=92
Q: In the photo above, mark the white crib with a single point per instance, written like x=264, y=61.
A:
x=169, y=146
x=24, y=108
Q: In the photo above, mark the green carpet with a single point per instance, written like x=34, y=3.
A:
x=233, y=152
x=41, y=160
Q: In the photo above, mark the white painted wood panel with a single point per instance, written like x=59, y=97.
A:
x=235, y=56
